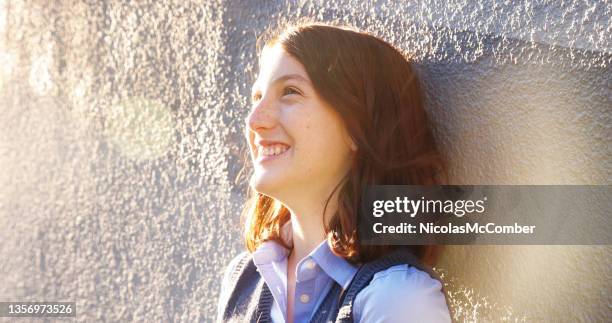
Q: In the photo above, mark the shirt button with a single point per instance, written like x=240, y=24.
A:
x=304, y=298
x=309, y=264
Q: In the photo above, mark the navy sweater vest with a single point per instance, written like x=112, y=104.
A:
x=250, y=300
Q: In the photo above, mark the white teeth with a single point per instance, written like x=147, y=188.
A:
x=272, y=150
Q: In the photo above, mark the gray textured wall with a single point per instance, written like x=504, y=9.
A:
x=120, y=142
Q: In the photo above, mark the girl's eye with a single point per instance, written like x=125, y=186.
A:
x=290, y=90
x=255, y=97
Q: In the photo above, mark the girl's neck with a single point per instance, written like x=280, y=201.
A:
x=307, y=221
x=307, y=235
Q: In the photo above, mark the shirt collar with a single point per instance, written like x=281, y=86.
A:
x=271, y=251
x=336, y=267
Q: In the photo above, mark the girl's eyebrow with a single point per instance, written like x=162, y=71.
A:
x=290, y=76
x=285, y=78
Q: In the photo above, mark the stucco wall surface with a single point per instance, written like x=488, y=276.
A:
x=121, y=141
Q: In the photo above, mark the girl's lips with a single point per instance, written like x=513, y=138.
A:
x=262, y=158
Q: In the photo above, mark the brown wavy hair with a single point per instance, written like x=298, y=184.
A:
x=376, y=91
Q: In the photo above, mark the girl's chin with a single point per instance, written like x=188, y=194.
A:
x=266, y=184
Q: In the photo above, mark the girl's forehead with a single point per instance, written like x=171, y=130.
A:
x=274, y=57
x=275, y=61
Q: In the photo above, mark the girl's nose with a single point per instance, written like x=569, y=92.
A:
x=262, y=116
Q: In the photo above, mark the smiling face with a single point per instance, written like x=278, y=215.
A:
x=299, y=144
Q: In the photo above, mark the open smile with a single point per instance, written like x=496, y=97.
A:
x=271, y=151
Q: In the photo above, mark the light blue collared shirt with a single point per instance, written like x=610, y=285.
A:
x=398, y=294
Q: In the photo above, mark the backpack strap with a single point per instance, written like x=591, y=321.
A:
x=240, y=267
x=263, y=306
x=243, y=306
x=328, y=310
x=366, y=272
x=238, y=273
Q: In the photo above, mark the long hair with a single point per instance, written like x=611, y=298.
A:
x=376, y=91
